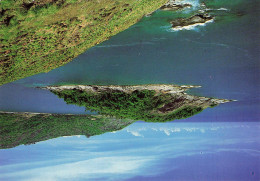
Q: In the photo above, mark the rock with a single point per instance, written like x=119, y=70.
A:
x=166, y=88
x=196, y=19
x=203, y=5
x=175, y=5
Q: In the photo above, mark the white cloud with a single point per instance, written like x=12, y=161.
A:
x=123, y=155
x=92, y=168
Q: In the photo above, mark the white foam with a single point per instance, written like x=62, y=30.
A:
x=124, y=45
x=194, y=3
x=220, y=9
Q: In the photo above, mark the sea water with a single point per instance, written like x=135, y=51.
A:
x=222, y=56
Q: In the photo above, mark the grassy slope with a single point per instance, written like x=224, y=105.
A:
x=140, y=105
x=17, y=129
x=38, y=36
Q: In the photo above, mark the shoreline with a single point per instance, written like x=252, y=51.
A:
x=169, y=88
x=178, y=90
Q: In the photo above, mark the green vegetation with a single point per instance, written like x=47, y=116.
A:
x=27, y=128
x=38, y=36
x=213, y=105
x=118, y=109
x=143, y=105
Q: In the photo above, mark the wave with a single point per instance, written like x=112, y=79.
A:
x=221, y=45
x=219, y=9
x=194, y=3
x=124, y=45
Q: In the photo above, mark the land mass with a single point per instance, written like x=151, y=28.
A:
x=151, y=103
x=41, y=35
x=28, y=128
x=117, y=107
x=198, y=19
x=202, y=17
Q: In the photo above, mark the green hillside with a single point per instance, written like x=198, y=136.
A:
x=41, y=35
x=28, y=128
x=143, y=105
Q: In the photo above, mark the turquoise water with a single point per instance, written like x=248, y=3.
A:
x=222, y=57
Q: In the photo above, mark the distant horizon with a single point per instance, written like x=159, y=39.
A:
x=156, y=151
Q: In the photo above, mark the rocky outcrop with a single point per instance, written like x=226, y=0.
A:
x=158, y=88
x=198, y=19
x=173, y=5
x=163, y=88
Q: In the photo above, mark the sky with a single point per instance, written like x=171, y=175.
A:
x=143, y=151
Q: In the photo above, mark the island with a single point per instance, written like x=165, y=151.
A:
x=150, y=103
x=198, y=19
x=114, y=108
x=202, y=17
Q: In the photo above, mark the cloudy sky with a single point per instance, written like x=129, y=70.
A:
x=142, y=151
